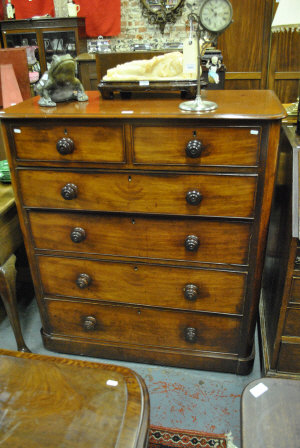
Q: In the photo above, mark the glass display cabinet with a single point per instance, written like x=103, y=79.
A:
x=49, y=36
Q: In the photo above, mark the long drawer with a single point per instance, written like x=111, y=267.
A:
x=188, y=194
x=136, y=236
x=159, y=145
x=87, y=143
x=143, y=326
x=143, y=284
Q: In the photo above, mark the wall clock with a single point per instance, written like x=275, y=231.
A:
x=215, y=15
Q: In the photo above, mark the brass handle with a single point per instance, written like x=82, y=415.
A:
x=83, y=281
x=77, y=235
x=69, y=191
x=89, y=323
x=65, y=146
x=191, y=243
x=190, y=334
x=193, y=197
x=194, y=148
x=191, y=292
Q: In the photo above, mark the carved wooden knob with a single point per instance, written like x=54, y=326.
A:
x=194, y=148
x=69, y=191
x=191, y=292
x=65, y=146
x=77, y=235
x=192, y=243
x=89, y=323
x=190, y=334
x=193, y=197
x=83, y=281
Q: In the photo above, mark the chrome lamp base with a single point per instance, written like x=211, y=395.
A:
x=198, y=105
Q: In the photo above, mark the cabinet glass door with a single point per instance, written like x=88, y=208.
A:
x=59, y=42
x=20, y=40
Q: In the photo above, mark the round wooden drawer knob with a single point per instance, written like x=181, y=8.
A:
x=192, y=243
x=69, y=192
x=193, y=197
x=65, y=146
x=83, y=281
x=89, y=323
x=191, y=292
x=77, y=235
x=190, y=334
x=194, y=148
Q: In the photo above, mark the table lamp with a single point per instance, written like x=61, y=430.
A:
x=287, y=17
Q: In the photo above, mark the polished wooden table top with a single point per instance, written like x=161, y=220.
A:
x=232, y=104
x=57, y=402
x=270, y=413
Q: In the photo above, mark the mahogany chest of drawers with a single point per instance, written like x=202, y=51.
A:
x=145, y=225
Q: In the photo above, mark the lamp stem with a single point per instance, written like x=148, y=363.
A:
x=198, y=64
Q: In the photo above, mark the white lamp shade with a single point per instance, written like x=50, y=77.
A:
x=287, y=16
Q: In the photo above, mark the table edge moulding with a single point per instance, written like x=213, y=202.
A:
x=156, y=292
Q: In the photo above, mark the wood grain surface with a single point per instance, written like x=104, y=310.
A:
x=143, y=326
x=48, y=402
x=223, y=195
x=94, y=143
x=232, y=105
x=142, y=237
x=144, y=284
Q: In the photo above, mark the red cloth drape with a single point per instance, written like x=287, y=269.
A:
x=25, y=9
x=102, y=17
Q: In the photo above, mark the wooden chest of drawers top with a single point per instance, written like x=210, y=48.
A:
x=232, y=105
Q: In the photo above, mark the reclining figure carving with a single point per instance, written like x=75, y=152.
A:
x=168, y=66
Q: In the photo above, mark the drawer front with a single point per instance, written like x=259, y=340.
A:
x=292, y=322
x=142, y=284
x=219, y=195
x=135, y=236
x=295, y=291
x=86, y=143
x=214, y=146
x=143, y=326
x=289, y=357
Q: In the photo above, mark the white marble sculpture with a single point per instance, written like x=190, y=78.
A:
x=166, y=67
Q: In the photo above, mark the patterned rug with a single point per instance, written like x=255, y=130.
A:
x=176, y=438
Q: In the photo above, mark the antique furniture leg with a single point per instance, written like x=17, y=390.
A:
x=8, y=294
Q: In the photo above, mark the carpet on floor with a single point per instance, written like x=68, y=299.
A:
x=160, y=437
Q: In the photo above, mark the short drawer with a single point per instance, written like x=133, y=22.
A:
x=289, y=357
x=295, y=291
x=205, y=146
x=143, y=326
x=70, y=143
x=292, y=322
x=144, y=284
x=188, y=194
x=186, y=239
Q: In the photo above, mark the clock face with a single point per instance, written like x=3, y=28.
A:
x=215, y=15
